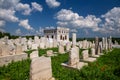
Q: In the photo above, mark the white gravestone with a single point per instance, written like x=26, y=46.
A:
x=40, y=68
x=34, y=54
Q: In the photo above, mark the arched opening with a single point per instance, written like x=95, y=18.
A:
x=47, y=36
x=52, y=36
x=65, y=37
x=61, y=37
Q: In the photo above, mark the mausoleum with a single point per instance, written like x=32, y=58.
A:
x=59, y=33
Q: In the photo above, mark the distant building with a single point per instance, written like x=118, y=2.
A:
x=59, y=33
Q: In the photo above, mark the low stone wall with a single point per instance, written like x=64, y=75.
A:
x=4, y=60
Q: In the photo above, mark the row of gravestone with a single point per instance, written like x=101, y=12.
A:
x=40, y=68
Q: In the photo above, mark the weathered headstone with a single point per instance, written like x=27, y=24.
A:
x=19, y=49
x=74, y=59
x=96, y=45
x=92, y=51
x=49, y=53
x=68, y=46
x=4, y=50
x=40, y=68
x=86, y=56
x=73, y=56
x=35, y=46
x=73, y=39
x=61, y=49
x=34, y=54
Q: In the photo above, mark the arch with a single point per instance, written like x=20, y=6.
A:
x=65, y=37
x=47, y=36
x=52, y=36
x=60, y=37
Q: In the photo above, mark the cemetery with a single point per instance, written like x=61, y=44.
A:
x=44, y=58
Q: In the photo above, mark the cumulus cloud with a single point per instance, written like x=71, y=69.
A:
x=73, y=30
x=18, y=32
x=8, y=4
x=24, y=7
x=36, y=6
x=8, y=9
x=2, y=23
x=69, y=18
x=53, y=3
x=112, y=21
x=25, y=24
x=8, y=15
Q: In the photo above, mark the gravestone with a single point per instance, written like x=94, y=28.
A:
x=68, y=46
x=19, y=49
x=34, y=54
x=93, y=51
x=73, y=39
x=73, y=56
x=35, y=46
x=103, y=43
x=96, y=45
x=4, y=50
x=49, y=53
x=74, y=59
x=0, y=51
x=106, y=44
x=85, y=54
x=61, y=49
x=42, y=45
x=40, y=68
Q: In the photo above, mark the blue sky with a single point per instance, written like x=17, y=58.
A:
x=88, y=18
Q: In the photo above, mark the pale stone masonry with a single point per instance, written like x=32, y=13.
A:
x=73, y=56
x=73, y=39
x=41, y=69
x=59, y=33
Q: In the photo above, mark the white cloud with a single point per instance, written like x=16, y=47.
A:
x=112, y=21
x=53, y=3
x=8, y=15
x=73, y=30
x=36, y=6
x=18, y=32
x=69, y=18
x=2, y=23
x=25, y=24
x=24, y=7
x=8, y=4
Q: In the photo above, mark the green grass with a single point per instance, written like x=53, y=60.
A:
x=16, y=71
x=43, y=51
x=107, y=67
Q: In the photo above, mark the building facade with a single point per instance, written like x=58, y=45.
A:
x=59, y=33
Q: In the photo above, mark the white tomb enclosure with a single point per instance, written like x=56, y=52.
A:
x=86, y=56
x=59, y=33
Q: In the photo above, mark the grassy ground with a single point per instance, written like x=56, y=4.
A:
x=107, y=67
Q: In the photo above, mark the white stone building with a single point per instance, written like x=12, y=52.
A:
x=59, y=33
